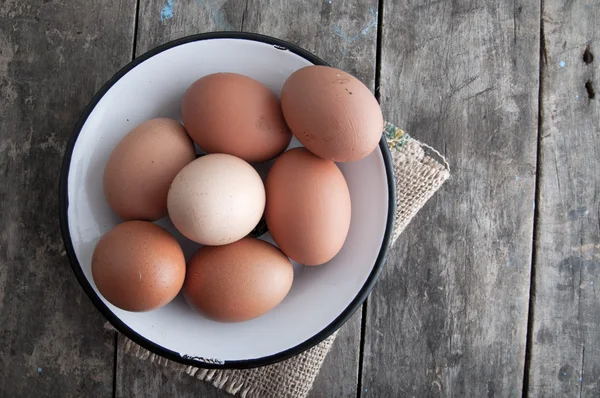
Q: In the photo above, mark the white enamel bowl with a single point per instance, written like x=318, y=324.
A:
x=321, y=299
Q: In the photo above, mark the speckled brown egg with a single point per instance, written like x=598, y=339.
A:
x=138, y=266
x=308, y=206
x=237, y=115
x=142, y=166
x=332, y=113
x=239, y=281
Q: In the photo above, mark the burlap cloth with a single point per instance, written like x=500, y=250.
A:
x=418, y=175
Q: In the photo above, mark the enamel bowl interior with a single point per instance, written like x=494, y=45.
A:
x=321, y=298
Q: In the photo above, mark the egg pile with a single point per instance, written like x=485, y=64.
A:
x=219, y=198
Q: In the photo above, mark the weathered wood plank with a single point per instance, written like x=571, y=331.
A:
x=341, y=32
x=565, y=342
x=449, y=315
x=138, y=378
x=161, y=21
x=339, y=375
x=53, y=57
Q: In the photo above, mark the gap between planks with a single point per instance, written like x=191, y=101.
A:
x=116, y=339
x=377, y=91
x=536, y=213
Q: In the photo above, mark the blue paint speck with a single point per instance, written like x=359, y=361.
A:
x=167, y=11
x=363, y=32
x=329, y=1
x=215, y=12
x=562, y=64
x=39, y=370
x=591, y=283
x=580, y=379
x=516, y=178
x=338, y=31
x=576, y=97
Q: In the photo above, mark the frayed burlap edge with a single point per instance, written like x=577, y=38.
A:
x=418, y=176
x=417, y=172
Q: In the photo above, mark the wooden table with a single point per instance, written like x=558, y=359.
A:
x=493, y=290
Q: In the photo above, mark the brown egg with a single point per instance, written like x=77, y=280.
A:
x=138, y=266
x=234, y=114
x=239, y=281
x=332, y=113
x=308, y=206
x=142, y=166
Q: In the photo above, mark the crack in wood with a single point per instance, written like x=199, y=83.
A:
x=589, y=87
x=588, y=57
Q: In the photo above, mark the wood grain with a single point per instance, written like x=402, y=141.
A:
x=139, y=378
x=565, y=340
x=160, y=21
x=341, y=32
x=449, y=315
x=53, y=57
